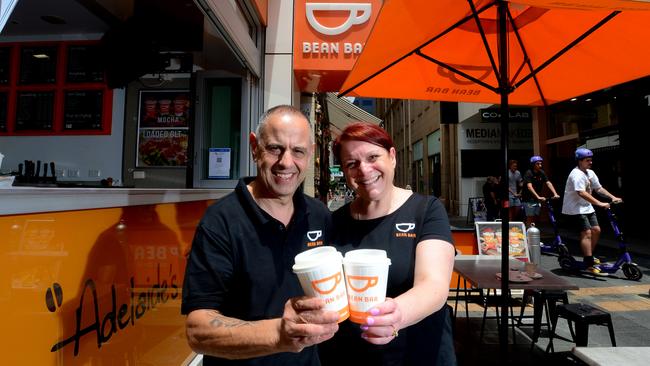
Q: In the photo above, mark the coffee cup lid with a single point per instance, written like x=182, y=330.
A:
x=366, y=257
x=314, y=252
x=309, y=262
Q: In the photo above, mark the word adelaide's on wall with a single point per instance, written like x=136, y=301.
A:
x=328, y=38
x=109, y=294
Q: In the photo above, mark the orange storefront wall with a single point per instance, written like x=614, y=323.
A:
x=96, y=287
x=465, y=241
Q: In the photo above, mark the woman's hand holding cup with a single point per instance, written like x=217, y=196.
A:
x=383, y=323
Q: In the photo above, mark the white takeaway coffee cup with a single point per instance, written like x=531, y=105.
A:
x=366, y=278
x=320, y=273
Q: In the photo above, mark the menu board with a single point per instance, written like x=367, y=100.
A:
x=5, y=57
x=164, y=108
x=84, y=64
x=3, y=112
x=163, y=122
x=83, y=110
x=162, y=147
x=34, y=111
x=489, y=239
x=38, y=65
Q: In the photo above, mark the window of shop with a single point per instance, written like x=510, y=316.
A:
x=418, y=166
x=53, y=88
x=229, y=96
x=433, y=152
x=593, y=111
x=220, y=138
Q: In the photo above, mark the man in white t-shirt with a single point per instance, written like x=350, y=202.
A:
x=578, y=205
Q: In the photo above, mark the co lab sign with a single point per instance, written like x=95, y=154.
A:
x=333, y=29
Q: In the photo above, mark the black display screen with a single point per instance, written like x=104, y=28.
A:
x=3, y=112
x=35, y=111
x=38, y=65
x=84, y=65
x=5, y=57
x=83, y=110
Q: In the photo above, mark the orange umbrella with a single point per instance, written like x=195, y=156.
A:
x=525, y=52
x=436, y=50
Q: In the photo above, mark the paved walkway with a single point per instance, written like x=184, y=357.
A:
x=627, y=301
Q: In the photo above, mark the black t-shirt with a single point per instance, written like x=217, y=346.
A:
x=538, y=179
x=398, y=233
x=241, y=260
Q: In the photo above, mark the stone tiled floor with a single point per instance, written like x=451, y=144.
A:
x=627, y=301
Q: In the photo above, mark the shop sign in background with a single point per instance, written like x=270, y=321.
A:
x=163, y=121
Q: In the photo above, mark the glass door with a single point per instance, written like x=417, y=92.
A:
x=221, y=131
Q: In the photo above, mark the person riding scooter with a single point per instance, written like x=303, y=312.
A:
x=578, y=206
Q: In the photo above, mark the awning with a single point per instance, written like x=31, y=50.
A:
x=341, y=113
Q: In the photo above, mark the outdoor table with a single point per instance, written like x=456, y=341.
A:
x=480, y=271
x=628, y=356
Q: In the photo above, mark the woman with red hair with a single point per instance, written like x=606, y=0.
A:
x=414, y=231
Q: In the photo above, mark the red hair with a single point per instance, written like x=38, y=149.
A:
x=364, y=132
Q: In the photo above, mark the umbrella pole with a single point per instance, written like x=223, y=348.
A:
x=504, y=90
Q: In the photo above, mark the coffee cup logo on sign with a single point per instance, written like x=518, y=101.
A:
x=357, y=14
x=320, y=273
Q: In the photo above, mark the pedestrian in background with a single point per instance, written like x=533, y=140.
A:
x=491, y=197
x=515, y=184
x=579, y=203
x=534, y=181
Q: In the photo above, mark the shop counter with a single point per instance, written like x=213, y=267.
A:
x=94, y=276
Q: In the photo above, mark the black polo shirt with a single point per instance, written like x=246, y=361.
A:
x=241, y=260
x=538, y=179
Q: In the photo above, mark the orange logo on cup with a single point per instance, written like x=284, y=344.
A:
x=369, y=280
x=316, y=284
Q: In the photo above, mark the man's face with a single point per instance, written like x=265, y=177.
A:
x=538, y=165
x=585, y=163
x=282, y=153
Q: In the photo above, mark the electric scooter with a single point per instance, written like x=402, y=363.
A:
x=624, y=261
x=556, y=246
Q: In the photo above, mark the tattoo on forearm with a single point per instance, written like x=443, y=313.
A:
x=221, y=321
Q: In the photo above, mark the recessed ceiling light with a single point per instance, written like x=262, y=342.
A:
x=53, y=19
x=40, y=56
x=588, y=100
x=574, y=99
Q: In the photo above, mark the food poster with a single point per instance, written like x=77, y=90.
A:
x=489, y=239
x=162, y=147
x=163, y=122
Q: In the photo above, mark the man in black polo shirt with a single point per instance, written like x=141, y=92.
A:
x=243, y=303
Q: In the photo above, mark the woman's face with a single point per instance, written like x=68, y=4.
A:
x=369, y=169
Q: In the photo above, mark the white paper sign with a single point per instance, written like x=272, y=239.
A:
x=219, y=163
